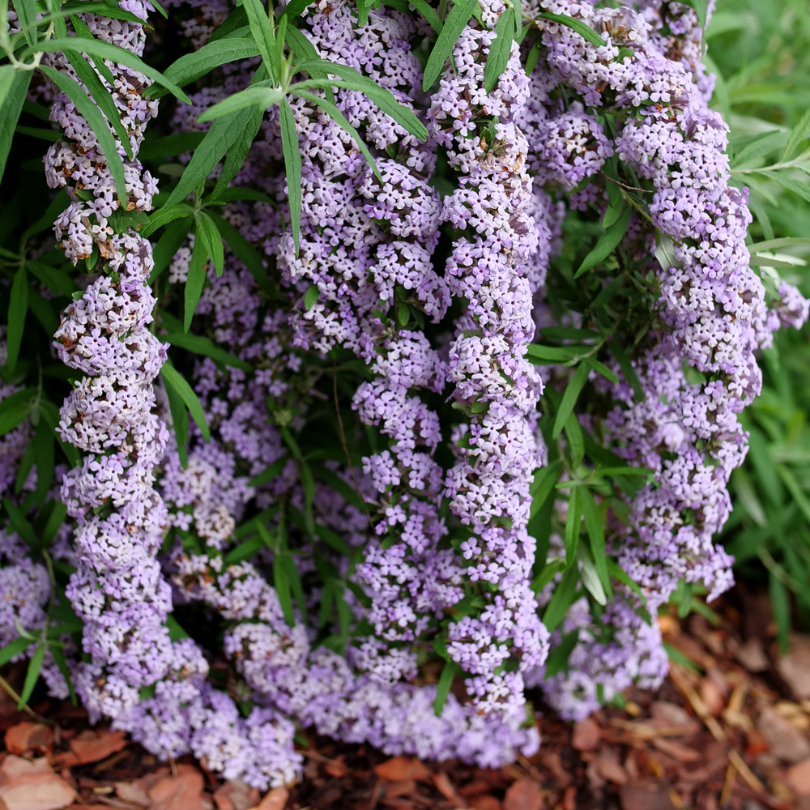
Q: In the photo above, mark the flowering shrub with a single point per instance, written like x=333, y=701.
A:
x=412, y=386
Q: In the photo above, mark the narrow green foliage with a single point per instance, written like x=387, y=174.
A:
x=558, y=659
x=292, y=164
x=168, y=244
x=262, y=95
x=197, y=344
x=172, y=378
x=444, y=685
x=455, y=23
x=562, y=599
x=569, y=399
x=212, y=241
x=595, y=527
x=573, y=521
x=607, y=243
x=95, y=119
x=17, y=310
x=500, y=49
x=13, y=89
x=195, y=281
x=32, y=675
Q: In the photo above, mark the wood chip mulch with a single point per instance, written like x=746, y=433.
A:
x=730, y=728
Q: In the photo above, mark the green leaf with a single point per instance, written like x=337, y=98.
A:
x=455, y=23
x=16, y=408
x=337, y=116
x=262, y=96
x=13, y=89
x=27, y=12
x=790, y=184
x=551, y=355
x=262, y=33
x=14, y=648
x=595, y=526
x=269, y=473
x=212, y=241
x=83, y=31
x=234, y=22
x=384, y=99
x=195, y=281
x=601, y=368
x=627, y=369
x=113, y=53
x=7, y=75
x=576, y=443
x=165, y=215
x=223, y=133
x=333, y=480
x=619, y=573
x=557, y=661
x=292, y=164
x=562, y=599
x=237, y=153
x=572, y=525
x=294, y=8
x=95, y=120
x=50, y=135
x=17, y=310
x=173, y=379
x=766, y=474
x=797, y=135
x=168, y=245
x=22, y=525
x=32, y=675
x=443, y=687
x=500, y=50
x=606, y=244
x=245, y=252
x=428, y=13
x=590, y=577
x=311, y=296
x=584, y=30
x=204, y=346
x=193, y=65
x=180, y=423
x=678, y=657
x=543, y=484
x=569, y=399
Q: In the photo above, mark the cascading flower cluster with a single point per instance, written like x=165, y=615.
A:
x=355, y=577
x=498, y=452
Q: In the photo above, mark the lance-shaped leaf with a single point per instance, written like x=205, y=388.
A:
x=223, y=133
x=102, y=97
x=174, y=379
x=179, y=414
x=192, y=66
x=17, y=310
x=595, y=526
x=88, y=110
x=212, y=241
x=608, y=242
x=237, y=152
x=572, y=523
x=263, y=33
x=456, y=20
x=500, y=49
x=113, y=53
x=262, y=95
x=569, y=399
x=195, y=281
x=701, y=8
x=13, y=89
x=198, y=344
x=246, y=254
x=32, y=675
x=83, y=31
x=292, y=163
x=562, y=599
x=443, y=687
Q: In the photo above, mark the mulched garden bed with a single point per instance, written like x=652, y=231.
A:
x=730, y=728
